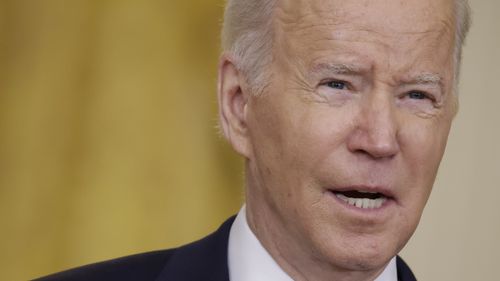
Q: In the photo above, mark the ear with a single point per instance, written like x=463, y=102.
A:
x=233, y=101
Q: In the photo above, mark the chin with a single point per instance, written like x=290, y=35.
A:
x=361, y=261
x=361, y=253
x=368, y=261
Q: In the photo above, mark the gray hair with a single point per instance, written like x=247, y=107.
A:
x=464, y=21
x=247, y=36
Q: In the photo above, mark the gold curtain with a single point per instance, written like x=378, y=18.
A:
x=108, y=140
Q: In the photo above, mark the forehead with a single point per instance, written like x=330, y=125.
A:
x=400, y=31
x=396, y=15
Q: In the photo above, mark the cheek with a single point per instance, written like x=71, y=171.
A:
x=423, y=144
x=291, y=141
x=428, y=143
x=321, y=132
x=276, y=132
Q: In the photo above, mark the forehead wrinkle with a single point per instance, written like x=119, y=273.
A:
x=337, y=12
x=305, y=24
x=302, y=16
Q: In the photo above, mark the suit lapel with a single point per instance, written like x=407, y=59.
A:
x=404, y=272
x=205, y=259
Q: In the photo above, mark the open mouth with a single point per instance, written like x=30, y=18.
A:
x=362, y=199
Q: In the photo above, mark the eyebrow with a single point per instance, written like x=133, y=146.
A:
x=426, y=79
x=335, y=68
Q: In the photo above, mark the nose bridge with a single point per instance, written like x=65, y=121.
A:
x=380, y=120
x=377, y=129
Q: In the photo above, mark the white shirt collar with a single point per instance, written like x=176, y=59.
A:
x=249, y=261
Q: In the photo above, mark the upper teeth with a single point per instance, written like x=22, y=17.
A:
x=363, y=203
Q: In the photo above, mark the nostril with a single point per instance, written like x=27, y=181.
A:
x=375, y=154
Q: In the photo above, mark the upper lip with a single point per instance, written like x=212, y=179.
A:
x=365, y=188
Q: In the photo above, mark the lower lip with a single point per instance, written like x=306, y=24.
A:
x=387, y=204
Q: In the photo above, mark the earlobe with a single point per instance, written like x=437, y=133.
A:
x=233, y=103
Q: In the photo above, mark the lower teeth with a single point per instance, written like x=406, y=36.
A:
x=362, y=203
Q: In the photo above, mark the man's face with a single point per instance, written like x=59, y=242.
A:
x=345, y=143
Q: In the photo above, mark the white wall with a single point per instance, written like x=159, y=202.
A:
x=459, y=235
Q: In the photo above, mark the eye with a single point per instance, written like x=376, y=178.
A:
x=416, y=95
x=339, y=85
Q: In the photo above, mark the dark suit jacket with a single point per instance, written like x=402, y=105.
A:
x=203, y=260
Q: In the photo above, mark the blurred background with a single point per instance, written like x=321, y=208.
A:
x=108, y=140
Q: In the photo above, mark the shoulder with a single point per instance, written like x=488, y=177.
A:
x=145, y=266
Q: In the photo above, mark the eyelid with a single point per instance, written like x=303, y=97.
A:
x=427, y=94
x=324, y=82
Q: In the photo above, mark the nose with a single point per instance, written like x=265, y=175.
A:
x=375, y=132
